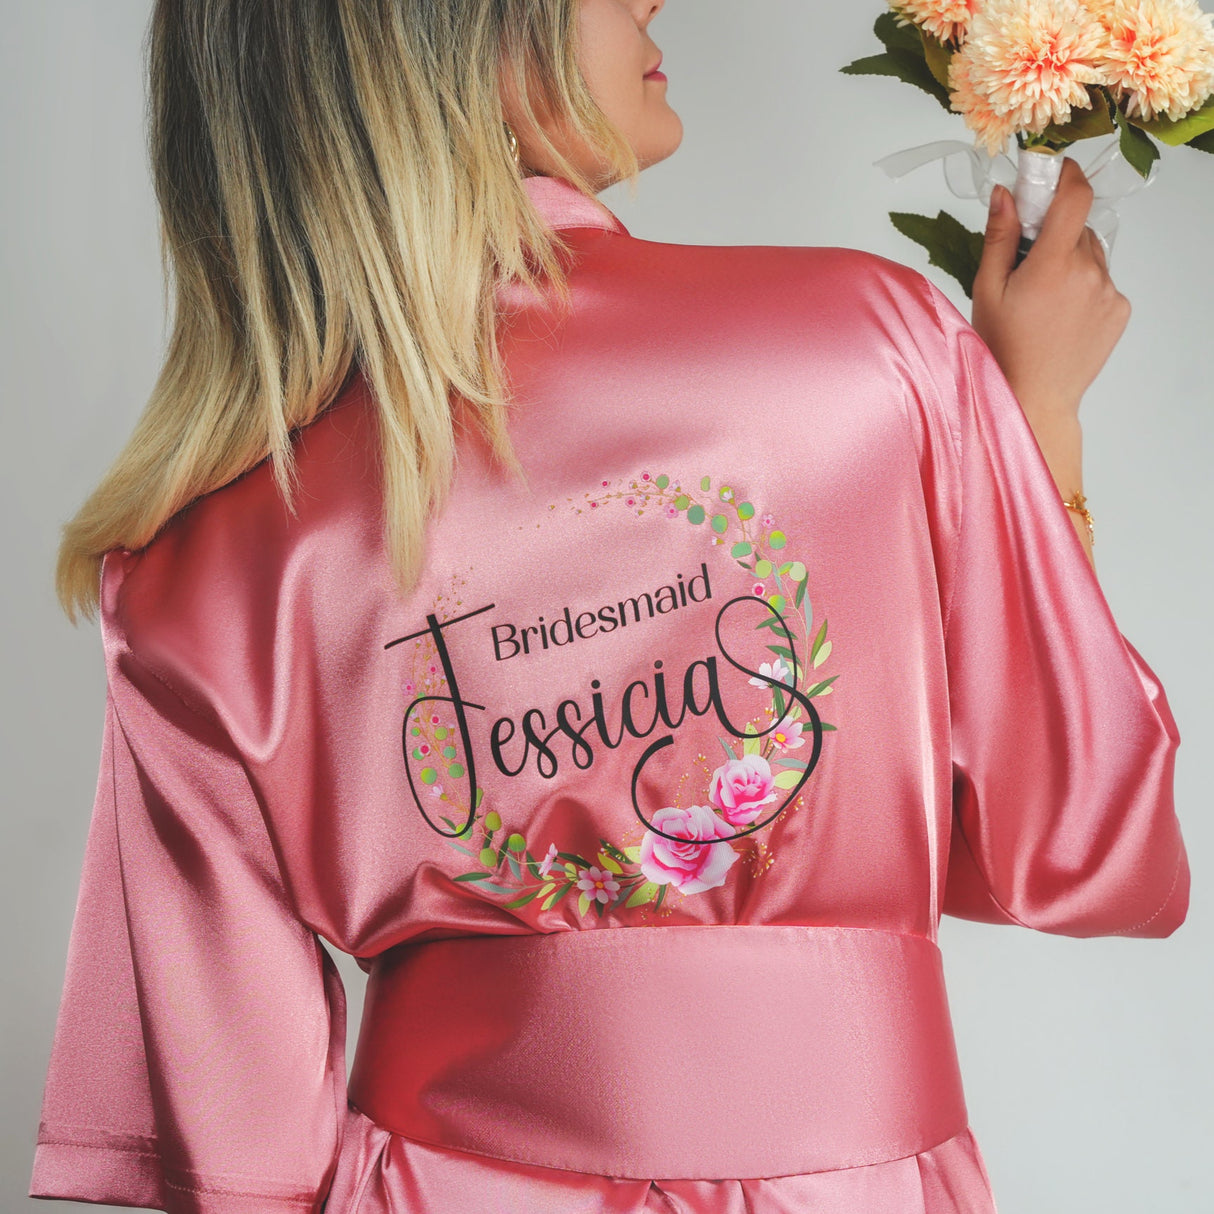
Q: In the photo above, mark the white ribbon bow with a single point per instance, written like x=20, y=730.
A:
x=971, y=173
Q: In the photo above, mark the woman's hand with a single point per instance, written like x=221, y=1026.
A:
x=1052, y=321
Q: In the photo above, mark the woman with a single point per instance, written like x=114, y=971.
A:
x=756, y=619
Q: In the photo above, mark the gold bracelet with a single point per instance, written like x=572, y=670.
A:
x=1078, y=503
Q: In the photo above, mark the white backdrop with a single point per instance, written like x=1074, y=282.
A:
x=1087, y=1062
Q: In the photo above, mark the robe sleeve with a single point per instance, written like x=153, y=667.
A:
x=1063, y=743
x=197, y=1062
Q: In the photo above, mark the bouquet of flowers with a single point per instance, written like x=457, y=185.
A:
x=1048, y=73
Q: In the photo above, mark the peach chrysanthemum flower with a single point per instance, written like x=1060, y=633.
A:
x=945, y=20
x=1159, y=54
x=1024, y=65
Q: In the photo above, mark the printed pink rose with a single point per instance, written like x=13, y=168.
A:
x=741, y=787
x=690, y=867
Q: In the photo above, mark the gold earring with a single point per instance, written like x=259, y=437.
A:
x=514, y=148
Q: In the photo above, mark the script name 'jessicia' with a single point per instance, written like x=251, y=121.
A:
x=510, y=640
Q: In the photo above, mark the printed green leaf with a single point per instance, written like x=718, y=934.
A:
x=742, y=548
x=609, y=863
x=646, y=892
x=745, y=511
x=705, y=483
x=786, y=779
x=488, y=857
x=782, y=651
x=515, y=868
x=818, y=641
x=727, y=748
x=751, y=745
x=818, y=688
x=785, y=761
x=695, y=514
x=473, y=877
x=682, y=502
x=552, y=899
x=456, y=771
x=661, y=894
x=824, y=726
x=823, y=653
x=763, y=568
x=480, y=796
x=949, y=243
x=583, y=903
x=522, y=899
x=777, y=539
x=800, y=593
x=662, y=481
x=720, y=523
x=633, y=854
x=777, y=701
x=429, y=775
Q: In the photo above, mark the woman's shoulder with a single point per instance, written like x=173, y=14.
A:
x=742, y=282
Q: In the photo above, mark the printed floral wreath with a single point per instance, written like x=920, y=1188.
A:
x=630, y=877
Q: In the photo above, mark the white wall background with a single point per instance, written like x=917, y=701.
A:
x=1087, y=1062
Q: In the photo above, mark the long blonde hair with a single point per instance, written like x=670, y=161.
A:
x=336, y=193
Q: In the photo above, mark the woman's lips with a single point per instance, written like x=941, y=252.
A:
x=655, y=75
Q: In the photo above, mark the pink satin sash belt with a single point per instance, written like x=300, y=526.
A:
x=694, y=1052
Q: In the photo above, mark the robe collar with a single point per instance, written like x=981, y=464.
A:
x=562, y=205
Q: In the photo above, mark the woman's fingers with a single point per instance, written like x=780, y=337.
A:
x=1065, y=220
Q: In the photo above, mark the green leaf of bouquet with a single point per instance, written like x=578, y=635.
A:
x=522, y=900
x=1084, y=124
x=1203, y=143
x=949, y=243
x=936, y=55
x=646, y=892
x=902, y=65
x=894, y=35
x=1183, y=130
x=1136, y=146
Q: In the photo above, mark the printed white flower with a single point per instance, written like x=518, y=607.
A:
x=772, y=670
x=545, y=866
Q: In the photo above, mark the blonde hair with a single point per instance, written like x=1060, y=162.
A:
x=336, y=193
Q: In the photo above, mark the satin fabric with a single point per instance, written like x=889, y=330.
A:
x=816, y=433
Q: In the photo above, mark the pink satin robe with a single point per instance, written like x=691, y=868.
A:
x=818, y=428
